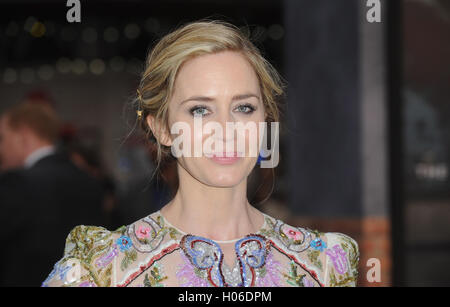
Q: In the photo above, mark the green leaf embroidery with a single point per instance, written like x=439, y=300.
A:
x=293, y=278
x=313, y=256
x=155, y=279
x=130, y=256
x=262, y=272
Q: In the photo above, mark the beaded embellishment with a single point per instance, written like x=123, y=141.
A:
x=207, y=257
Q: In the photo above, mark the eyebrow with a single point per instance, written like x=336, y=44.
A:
x=210, y=99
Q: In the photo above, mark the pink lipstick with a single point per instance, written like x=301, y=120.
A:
x=224, y=158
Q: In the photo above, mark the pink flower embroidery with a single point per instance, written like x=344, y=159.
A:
x=339, y=258
x=293, y=233
x=143, y=232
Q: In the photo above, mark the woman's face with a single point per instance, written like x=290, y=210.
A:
x=217, y=88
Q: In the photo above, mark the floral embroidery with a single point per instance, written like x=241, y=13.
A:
x=292, y=233
x=146, y=239
x=103, y=261
x=296, y=240
x=85, y=244
x=313, y=256
x=342, y=280
x=351, y=247
x=339, y=258
x=143, y=232
x=124, y=243
x=318, y=244
x=189, y=275
x=277, y=255
x=293, y=278
x=155, y=279
x=58, y=269
x=269, y=274
x=130, y=256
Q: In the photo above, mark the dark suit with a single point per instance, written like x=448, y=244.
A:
x=39, y=207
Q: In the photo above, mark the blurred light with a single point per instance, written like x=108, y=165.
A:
x=97, y=66
x=68, y=33
x=89, y=35
x=46, y=72
x=132, y=31
x=27, y=75
x=79, y=66
x=276, y=32
x=111, y=35
x=12, y=29
x=9, y=75
x=432, y=171
x=29, y=23
x=63, y=65
x=117, y=63
x=152, y=25
x=38, y=29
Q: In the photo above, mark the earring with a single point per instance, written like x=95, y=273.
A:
x=139, y=111
x=259, y=159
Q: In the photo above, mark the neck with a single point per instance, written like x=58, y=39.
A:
x=217, y=213
x=32, y=143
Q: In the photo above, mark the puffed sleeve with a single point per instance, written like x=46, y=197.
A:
x=87, y=260
x=342, y=258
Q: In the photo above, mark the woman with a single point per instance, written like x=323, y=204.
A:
x=209, y=234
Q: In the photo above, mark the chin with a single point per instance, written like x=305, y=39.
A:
x=218, y=175
x=224, y=179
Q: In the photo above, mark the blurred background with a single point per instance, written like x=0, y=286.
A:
x=365, y=137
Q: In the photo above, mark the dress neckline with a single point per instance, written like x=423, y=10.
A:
x=264, y=225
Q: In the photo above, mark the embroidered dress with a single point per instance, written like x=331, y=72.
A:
x=153, y=253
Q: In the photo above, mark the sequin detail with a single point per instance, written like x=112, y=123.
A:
x=318, y=244
x=107, y=258
x=298, y=242
x=339, y=258
x=152, y=253
x=207, y=258
x=124, y=243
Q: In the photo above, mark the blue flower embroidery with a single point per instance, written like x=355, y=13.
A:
x=318, y=244
x=124, y=243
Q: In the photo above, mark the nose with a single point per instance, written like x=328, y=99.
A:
x=226, y=116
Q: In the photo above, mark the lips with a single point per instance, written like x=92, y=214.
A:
x=224, y=158
x=222, y=155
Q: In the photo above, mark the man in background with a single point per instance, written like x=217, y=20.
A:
x=43, y=195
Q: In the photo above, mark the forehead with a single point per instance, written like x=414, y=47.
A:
x=224, y=73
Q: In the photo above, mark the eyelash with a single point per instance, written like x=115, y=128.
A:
x=246, y=105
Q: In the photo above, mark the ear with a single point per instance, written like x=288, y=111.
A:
x=159, y=130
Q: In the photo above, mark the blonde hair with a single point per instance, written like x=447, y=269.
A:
x=189, y=41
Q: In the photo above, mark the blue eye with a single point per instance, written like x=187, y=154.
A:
x=199, y=111
x=246, y=108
